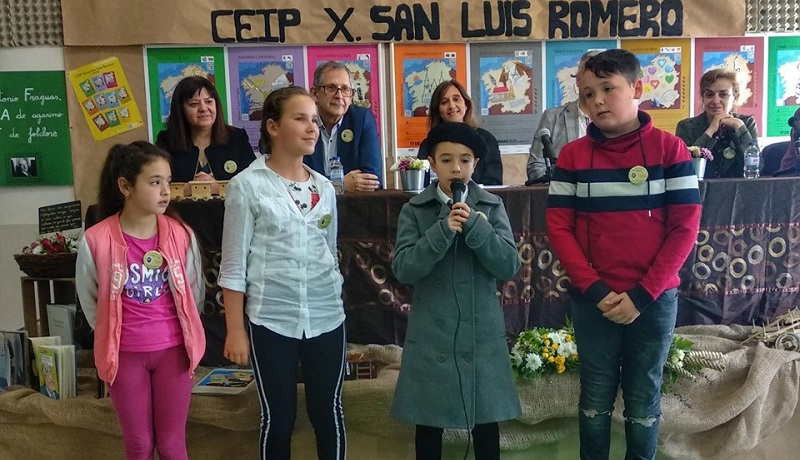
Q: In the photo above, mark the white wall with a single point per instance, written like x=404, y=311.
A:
x=19, y=206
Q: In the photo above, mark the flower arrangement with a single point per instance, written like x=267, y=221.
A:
x=410, y=164
x=701, y=152
x=56, y=244
x=683, y=361
x=544, y=351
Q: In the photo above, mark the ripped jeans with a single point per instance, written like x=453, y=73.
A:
x=632, y=356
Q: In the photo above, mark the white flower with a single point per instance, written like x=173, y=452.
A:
x=558, y=337
x=516, y=356
x=568, y=349
x=534, y=362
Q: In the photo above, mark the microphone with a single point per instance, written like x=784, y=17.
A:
x=458, y=187
x=794, y=123
x=547, y=153
x=547, y=146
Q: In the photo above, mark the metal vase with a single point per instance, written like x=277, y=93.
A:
x=699, y=167
x=413, y=180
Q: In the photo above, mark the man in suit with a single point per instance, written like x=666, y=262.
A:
x=345, y=130
x=566, y=123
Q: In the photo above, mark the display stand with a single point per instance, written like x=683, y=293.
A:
x=36, y=294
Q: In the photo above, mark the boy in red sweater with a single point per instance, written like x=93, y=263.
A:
x=622, y=216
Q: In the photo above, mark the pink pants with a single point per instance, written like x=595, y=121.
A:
x=151, y=395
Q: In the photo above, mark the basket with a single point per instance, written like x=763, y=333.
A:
x=47, y=265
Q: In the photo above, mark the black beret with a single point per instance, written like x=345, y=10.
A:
x=459, y=133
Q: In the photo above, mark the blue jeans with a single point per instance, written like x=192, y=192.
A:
x=633, y=356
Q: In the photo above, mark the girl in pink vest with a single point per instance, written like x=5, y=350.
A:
x=139, y=281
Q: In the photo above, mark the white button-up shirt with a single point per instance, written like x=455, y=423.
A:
x=285, y=262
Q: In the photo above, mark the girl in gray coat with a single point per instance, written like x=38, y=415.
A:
x=456, y=371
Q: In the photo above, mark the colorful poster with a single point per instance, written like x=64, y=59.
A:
x=254, y=73
x=34, y=129
x=783, y=89
x=106, y=98
x=363, y=62
x=418, y=70
x=743, y=55
x=561, y=61
x=506, y=84
x=165, y=67
x=664, y=79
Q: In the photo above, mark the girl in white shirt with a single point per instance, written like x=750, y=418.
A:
x=279, y=253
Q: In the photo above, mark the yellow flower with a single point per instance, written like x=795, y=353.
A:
x=555, y=346
x=545, y=355
x=561, y=369
x=569, y=338
x=560, y=360
x=550, y=359
x=547, y=343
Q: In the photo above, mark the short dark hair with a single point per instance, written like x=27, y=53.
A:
x=273, y=110
x=180, y=138
x=615, y=61
x=435, y=117
x=124, y=161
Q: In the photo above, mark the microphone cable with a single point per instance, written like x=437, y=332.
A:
x=455, y=348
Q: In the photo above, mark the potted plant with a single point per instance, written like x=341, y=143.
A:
x=49, y=257
x=700, y=155
x=412, y=173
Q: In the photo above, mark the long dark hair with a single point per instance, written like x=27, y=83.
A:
x=180, y=138
x=273, y=109
x=124, y=161
x=434, y=115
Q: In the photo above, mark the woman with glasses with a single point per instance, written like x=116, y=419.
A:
x=345, y=131
x=450, y=102
x=202, y=146
x=726, y=133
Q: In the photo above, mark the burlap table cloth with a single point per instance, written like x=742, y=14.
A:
x=714, y=417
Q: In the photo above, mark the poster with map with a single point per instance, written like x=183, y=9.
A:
x=418, y=70
x=363, y=62
x=105, y=97
x=561, y=61
x=254, y=72
x=506, y=87
x=743, y=55
x=783, y=88
x=165, y=67
x=665, y=79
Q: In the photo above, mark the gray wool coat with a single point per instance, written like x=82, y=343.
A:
x=455, y=307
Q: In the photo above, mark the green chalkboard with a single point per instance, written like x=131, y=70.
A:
x=34, y=129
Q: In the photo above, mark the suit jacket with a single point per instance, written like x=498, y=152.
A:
x=362, y=151
x=184, y=164
x=692, y=131
x=566, y=123
x=490, y=168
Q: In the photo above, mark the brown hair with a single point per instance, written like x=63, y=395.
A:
x=180, y=138
x=434, y=115
x=713, y=75
x=273, y=110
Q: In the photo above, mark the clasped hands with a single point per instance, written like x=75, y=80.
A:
x=618, y=308
x=723, y=119
x=357, y=181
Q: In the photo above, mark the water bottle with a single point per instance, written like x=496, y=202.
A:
x=337, y=175
x=752, y=161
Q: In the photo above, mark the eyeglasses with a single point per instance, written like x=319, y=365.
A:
x=331, y=90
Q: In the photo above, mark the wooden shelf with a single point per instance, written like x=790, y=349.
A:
x=49, y=290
